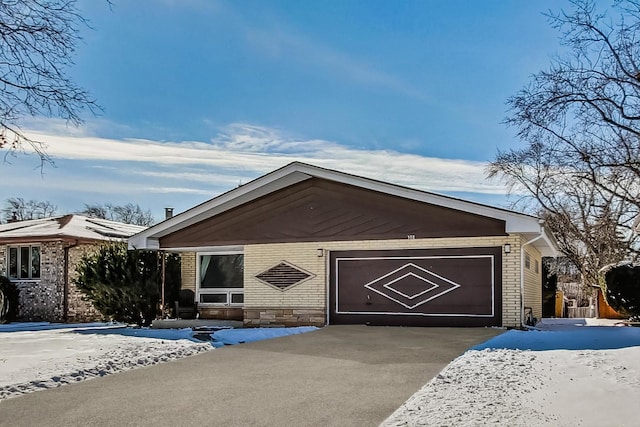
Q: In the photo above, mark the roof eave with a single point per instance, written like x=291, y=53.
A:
x=297, y=172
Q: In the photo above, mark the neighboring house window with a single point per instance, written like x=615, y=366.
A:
x=537, y=267
x=221, y=279
x=24, y=262
x=527, y=261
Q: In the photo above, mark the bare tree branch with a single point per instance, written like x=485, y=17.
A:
x=37, y=43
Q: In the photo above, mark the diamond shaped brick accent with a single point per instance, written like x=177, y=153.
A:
x=283, y=276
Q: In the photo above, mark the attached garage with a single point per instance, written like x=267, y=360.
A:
x=436, y=287
x=305, y=245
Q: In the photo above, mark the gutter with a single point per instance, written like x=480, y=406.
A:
x=540, y=236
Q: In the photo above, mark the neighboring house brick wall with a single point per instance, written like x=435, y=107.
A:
x=307, y=301
x=43, y=299
x=79, y=308
x=3, y=260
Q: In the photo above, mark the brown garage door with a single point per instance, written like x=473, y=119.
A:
x=430, y=287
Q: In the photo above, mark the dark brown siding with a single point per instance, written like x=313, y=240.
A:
x=319, y=210
x=418, y=287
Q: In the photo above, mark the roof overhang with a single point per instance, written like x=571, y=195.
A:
x=293, y=173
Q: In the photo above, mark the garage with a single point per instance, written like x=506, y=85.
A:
x=417, y=287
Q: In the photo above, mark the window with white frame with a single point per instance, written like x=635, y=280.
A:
x=23, y=262
x=221, y=278
x=527, y=261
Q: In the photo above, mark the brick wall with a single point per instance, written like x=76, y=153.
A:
x=188, y=270
x=43, y=299
x=311, y=295
x=79, y=308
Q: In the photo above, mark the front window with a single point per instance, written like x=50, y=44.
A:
x=24, y=262
x=221, y=279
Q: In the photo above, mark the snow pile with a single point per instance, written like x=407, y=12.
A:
x=571, y=376
x=489, y=386
x=38, y=356
x=32, y=360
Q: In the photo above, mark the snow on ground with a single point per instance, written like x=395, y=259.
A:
x=37, y=356
x=569, y=373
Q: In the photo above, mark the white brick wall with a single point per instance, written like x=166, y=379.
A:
x=188, y=270
x=313, y=292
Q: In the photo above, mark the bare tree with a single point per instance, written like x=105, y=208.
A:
x=129, y=213
x=96, y=211
x=585, y=108
x=580, y=121
x=18, y=209
x=37, y=43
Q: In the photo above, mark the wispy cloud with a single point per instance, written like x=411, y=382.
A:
x=242, y=152
x=273, y=38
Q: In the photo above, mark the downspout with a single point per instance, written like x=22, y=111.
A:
x=65, y=291
x=522, y=323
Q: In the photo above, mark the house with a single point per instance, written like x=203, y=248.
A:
x=41, y=255
x=304, y=245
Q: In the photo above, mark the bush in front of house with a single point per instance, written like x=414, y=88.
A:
x=125, y=285
x=623, y=289
x=9, y=294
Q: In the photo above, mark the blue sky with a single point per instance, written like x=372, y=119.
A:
x=202, y=95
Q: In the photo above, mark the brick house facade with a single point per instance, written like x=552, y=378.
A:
x=55, y=245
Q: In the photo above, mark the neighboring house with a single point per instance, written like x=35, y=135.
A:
x=41, y=255
x=305, y=245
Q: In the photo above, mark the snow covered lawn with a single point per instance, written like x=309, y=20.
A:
x=37, y=356
x=565, y=374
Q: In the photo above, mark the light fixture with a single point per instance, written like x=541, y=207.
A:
x=320, y=253
x=507, y=248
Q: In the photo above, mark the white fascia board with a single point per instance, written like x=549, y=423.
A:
x=141, y=242
x=546, y=247
x=543, y=242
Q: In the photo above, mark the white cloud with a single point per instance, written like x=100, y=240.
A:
x=242, y=152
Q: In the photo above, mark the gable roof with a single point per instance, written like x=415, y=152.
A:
x=528, y=226
x=76, y=227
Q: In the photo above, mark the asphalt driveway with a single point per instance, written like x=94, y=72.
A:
x=336, y=376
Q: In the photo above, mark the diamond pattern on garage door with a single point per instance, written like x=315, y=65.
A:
x=411, y=285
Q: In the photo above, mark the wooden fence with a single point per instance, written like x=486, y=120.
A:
x=574, y=312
